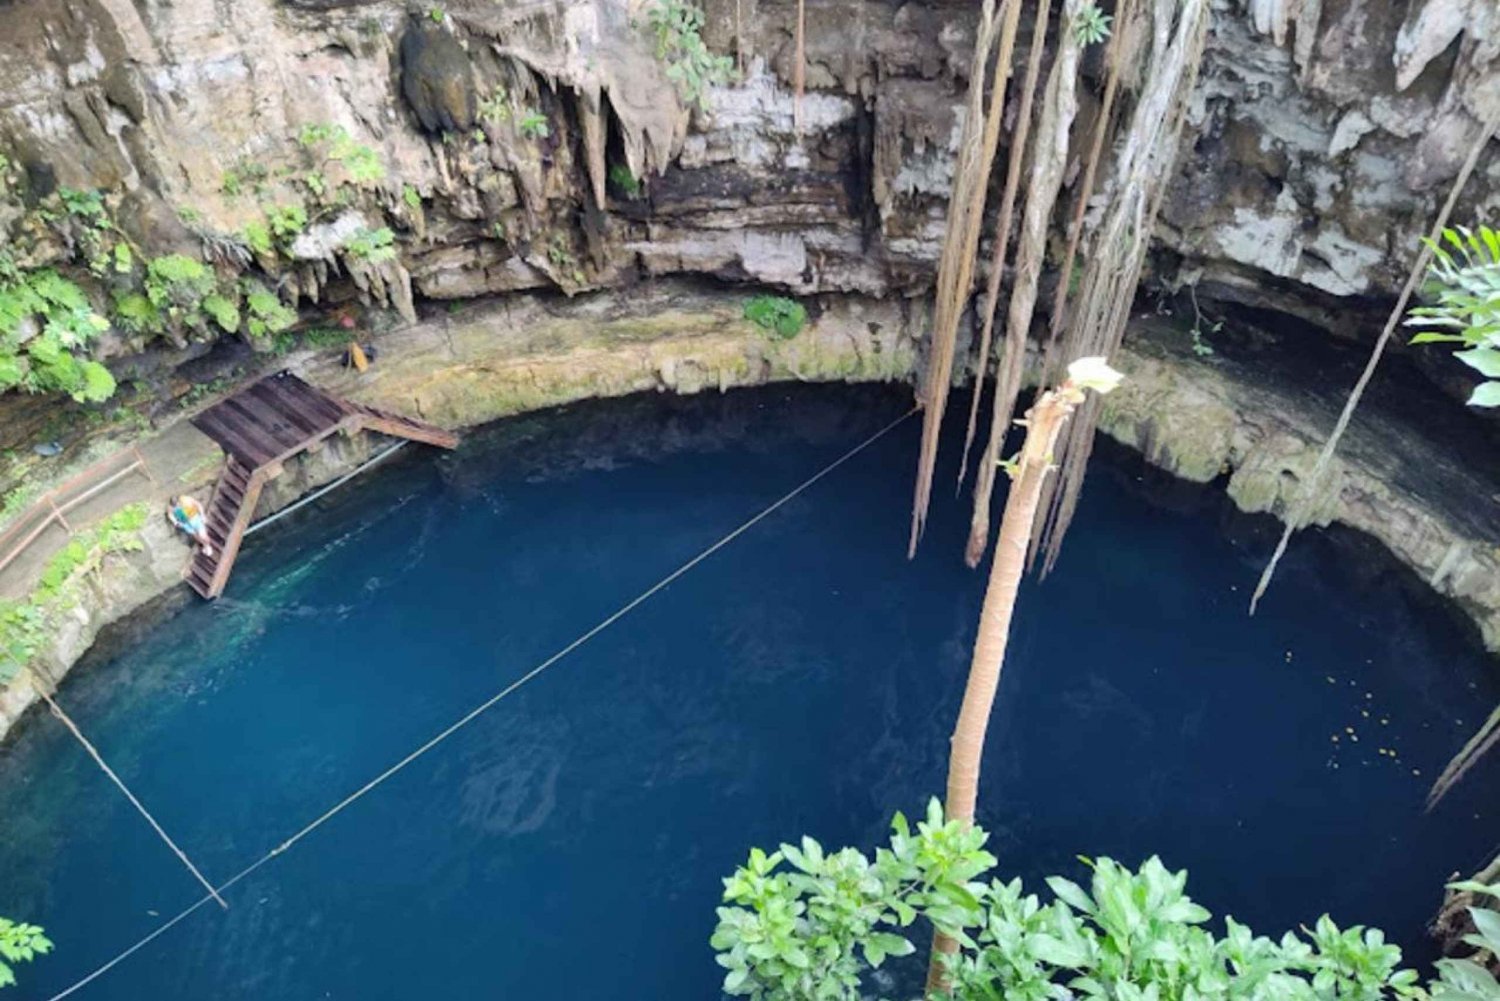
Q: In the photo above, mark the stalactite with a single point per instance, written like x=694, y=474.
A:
x=956, y=265
x=1120, y=50
x=1016, y=156
x=1141, y=169
x=1048, y=161
x=799, y=67
x=1298, y=512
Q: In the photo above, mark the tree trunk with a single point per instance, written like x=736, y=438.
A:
x=1046, y=421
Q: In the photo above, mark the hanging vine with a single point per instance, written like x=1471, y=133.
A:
x=1142, y=167
x=1120, y=54
x=1311, y=487
x=1016, y=155
x=1048, y=161
x=956, y=265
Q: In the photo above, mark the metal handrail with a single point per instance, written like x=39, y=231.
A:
x=54, y=504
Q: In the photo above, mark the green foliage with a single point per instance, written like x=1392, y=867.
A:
x=437, y=14
x=286, y=221
x=360, y=162
x=267, y=315
x=495, y=108
x=678, y=26
x=1464, y=282
x=83, y=219
x=808, y=932
x=779, y=316
x=411, y=197
x=25, y=625
x=136, y=314
x=224, y=311
x=257, y=237
x=176, y=286
x=807, y=924
x=628, y=184
x=534, y=125
x=1092, y=26
x=372, y=245
x=46, y=323
x=19, y=943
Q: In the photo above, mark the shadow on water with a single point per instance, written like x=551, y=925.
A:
x=803, y=679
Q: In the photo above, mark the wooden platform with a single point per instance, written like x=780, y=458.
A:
x=261, y=427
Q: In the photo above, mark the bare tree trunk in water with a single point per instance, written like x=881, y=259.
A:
x=1046, y=420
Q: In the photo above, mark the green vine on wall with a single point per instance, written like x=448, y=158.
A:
x=26, y=625
x=678, y=26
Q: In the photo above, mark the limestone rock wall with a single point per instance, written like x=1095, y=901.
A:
x=1323, y=134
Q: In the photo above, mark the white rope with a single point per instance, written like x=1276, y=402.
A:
x=319, y=493
x=489, y=703
x=140, y=807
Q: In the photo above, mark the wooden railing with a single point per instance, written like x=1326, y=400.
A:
x=52, y=507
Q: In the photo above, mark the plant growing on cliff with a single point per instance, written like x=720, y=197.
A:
x=678, y=26
x=627, y=183
x=1092, y=25
x=372, y=245
x=812, y=930
x=46, y=325
x=495, y=108
x=19, y=943
x=332, y=144
x=1464, y=281
x=534, y=125
x=25, y=625
x=778, y=316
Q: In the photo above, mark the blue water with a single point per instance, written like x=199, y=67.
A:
x=569, y=842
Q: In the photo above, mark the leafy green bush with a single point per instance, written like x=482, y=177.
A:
x=19, y=943
x=678, y=26
x=24, y=625
x=779, y=316
x=1464, y=279
x=803, y=924
x=372, y=245
x=534, y=125
x=628, y=184
x=46, y=325
x=1092, y=25
x=334, y=144
x=267, y=314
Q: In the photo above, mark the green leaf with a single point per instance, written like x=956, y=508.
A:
x=1053, y=950
x=1485, y=360
x=1071, y=894
x=1486, y=394
x=1487, y=922
x=1432, y=337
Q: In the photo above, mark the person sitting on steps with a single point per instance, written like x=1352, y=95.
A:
x=187, y=514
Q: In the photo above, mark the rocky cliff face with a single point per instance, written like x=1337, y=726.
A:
x=512, y=136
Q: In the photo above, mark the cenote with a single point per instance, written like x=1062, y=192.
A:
x=570, y=841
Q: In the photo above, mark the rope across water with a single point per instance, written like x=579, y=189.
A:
x=486, y=705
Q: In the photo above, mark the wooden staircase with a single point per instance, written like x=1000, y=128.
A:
x=401, y=427
x=259, y=428
x=228, y=516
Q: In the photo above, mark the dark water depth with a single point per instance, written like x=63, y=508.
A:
x=569, y=842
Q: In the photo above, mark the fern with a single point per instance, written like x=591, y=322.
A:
x=1464, y=284
x=46, y=323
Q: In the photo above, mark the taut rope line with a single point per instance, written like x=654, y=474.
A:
x=489, y=703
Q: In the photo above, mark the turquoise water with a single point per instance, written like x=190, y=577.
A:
x=568, y=843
